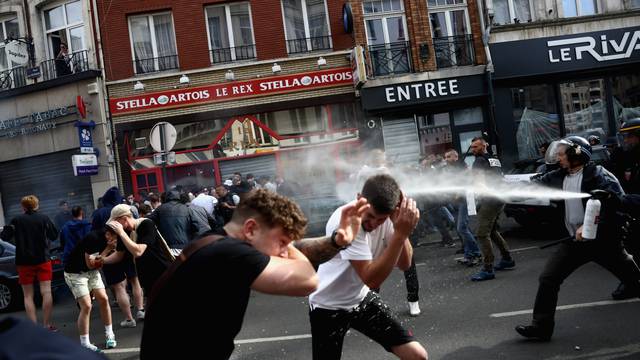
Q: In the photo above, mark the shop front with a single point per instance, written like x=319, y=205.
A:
x=53, y=146
x=580, y=84
x=295, y=126
x=412, y=120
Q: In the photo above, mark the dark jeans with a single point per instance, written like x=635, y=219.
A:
x=413, y=285
x=570, y=256
x=372, y=317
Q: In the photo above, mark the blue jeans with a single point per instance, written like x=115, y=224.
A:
x=462, y=227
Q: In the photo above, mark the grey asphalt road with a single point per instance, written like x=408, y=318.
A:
x=460, y=319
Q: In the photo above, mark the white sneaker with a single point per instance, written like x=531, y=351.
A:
x=128, y=323
x=414, y=308
x=91, y=347
x=111, y=342
x=140, y=315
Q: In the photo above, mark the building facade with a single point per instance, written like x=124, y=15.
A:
x=577, y=69
x=260, y=87
x=427, y=87
x=51, y=97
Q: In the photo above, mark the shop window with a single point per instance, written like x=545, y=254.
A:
x=153, y=43
x=230, y=33
x=467, y=116
x=452, y=40
x=435, y=134
x=535, y=117
x=306, y=25
x=345, y=116
x=626, y=97
x=385, y=26
x=511, y=11
x=573, y=8
x=147, y=183
x=585, y=109
x=633, y=4
x=244, y=137
x=296, y=121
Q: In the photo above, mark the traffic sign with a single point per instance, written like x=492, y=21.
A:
x=163, y=137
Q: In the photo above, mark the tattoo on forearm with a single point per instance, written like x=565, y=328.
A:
x=317, y=250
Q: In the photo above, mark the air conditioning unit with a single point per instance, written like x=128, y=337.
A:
x=141, y=143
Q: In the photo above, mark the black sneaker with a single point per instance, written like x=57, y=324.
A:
x=535, y=332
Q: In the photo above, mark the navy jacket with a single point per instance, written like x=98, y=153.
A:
x=111, y=198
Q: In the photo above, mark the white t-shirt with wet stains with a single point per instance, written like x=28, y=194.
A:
x=340, y=287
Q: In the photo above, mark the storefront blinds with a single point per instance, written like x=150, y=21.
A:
x=49, y=177
x=401, y=142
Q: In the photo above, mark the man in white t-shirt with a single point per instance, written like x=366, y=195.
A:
x=206, y=201
x=343, y=299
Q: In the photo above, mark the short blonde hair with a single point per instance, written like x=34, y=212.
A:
x=30, y=202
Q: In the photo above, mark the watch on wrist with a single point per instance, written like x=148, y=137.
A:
x=335, y=244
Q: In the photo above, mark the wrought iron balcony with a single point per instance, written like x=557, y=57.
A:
x=149, y=65
x=13, y=78
x=454, y=51
x=225, y=55
x=302, y=45
x=74, y=63
x=389, y=59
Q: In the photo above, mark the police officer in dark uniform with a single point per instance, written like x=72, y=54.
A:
x=577, y=174
x=627, y=169
x=487, y=167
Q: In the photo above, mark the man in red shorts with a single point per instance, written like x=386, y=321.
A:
x=32, y=232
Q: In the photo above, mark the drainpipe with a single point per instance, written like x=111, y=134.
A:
x=107, y=127
x=486, y=31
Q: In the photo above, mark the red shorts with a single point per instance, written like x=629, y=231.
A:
x=28, y=273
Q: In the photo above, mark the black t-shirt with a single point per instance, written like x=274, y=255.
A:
x=94, y=242
x=154, y=260
x=204, y=303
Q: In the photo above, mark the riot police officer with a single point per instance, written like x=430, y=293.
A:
x=627, y=169
x=577, y=174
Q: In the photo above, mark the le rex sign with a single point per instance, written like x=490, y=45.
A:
x=230, y=91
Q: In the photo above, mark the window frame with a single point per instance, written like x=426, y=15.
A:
x=154, y=44
x=4, y=19
x=578, y=4
x=307, y=31
x=67, y=27
x=231, y=36
x=512, y=12
x=384, y=16
x=448, y=9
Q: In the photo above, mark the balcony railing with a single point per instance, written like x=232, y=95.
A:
x=303, y=45
x=389, y=59
x=454, y=51
x=149, y=65
x=72, y=64
x=13, y=78
x=225, y=55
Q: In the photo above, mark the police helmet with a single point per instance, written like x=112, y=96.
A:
x=594, y=140
x=631, y=126
x=579, y=149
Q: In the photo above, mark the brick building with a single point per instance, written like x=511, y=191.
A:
x=261, y=87
x=427, y=88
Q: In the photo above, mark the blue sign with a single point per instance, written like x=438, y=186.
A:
x=85, y=136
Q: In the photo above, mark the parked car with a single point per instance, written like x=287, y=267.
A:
x=10, y=291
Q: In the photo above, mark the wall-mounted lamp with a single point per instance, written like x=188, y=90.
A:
x=276, y=68
x=229, y=75
x=184, y=80
x=138, y=86
x=321, y=61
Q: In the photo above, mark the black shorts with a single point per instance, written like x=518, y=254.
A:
x=372, y=317
x=116, y=273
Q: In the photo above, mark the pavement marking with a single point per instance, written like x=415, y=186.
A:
x=277, y=338
x=237, y=342
x=525, y=248
x=566, y=307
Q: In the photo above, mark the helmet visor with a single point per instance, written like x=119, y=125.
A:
x=555, y=148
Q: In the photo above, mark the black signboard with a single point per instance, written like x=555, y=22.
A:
x=574, y=52
x=422, y=92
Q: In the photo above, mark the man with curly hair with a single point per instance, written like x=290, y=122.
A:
x=208, y=285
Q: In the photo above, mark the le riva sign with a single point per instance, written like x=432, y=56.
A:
x=574, y=52
x=228, y=91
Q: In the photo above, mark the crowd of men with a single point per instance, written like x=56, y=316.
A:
x=249, y=237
